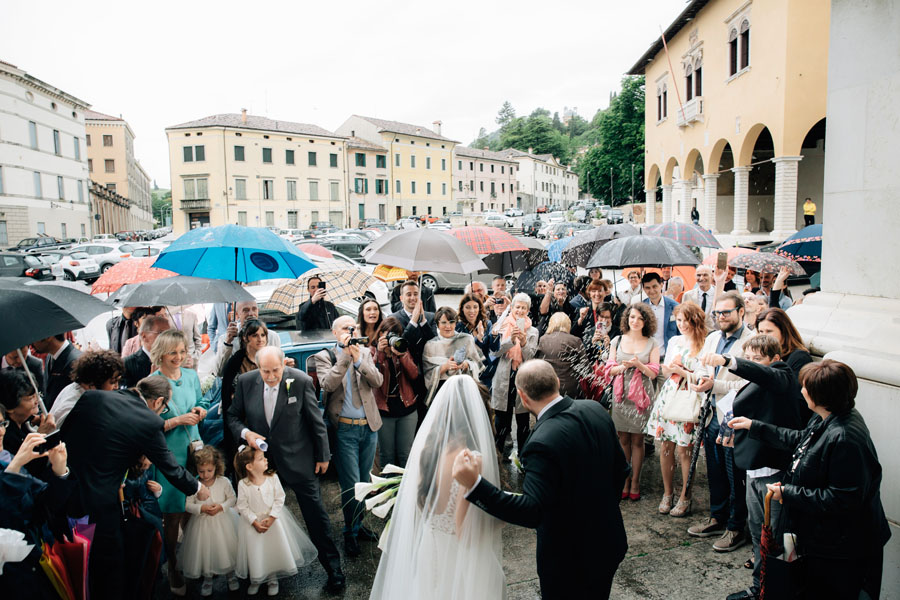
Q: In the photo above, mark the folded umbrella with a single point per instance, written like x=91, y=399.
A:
x=179, y=290
x=341, y=284
x=803, y=246
x=765, y=262
x=583, y=245
x=133, y=270
x=234, y=252
x=641, y=251
x=686, y=234
x=426, y=250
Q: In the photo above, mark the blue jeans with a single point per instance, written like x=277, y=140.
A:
x=727, y=483
x=354, y=456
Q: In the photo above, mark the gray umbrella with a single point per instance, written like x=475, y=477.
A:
x=40, y=311
x=178, y=290
x=585, y=244
x=641, y=251
x=426, y=250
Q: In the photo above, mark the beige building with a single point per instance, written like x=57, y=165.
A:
x=368, y=180
x=111, y=162
x=112, y=211
x=419, y=166
x=542, y=181
x=256, y=171
x=735, y=114
x=483, y=180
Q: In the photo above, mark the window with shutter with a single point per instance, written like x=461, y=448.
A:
x=732, y=52
x=199, y=153
x=745, y=44
x=239, y=153
x=188, y=153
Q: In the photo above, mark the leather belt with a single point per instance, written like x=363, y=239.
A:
x=347, y=421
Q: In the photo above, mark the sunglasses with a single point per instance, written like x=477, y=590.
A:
x=722, y=313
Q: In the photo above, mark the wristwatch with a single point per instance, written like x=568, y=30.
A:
x=727, y=360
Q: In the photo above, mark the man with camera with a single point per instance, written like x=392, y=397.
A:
x=349, y=377
x=317, y=312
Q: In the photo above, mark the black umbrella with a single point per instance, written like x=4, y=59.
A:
x=537, y=252
x=513, y=261
x=178, y=290
x=585, y=244
x=544, y=271
x=40, y=311
x=641, y=251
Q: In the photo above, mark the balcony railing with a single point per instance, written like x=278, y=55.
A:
x=691, y=112
x=195, y=204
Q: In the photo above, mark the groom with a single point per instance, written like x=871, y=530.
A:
x=574, y=471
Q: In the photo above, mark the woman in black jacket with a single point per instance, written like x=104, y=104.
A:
x=831, y=492
x=776, y=323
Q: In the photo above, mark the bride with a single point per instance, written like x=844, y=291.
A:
x=436, y=547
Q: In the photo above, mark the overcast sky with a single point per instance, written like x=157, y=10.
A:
x=163, y=63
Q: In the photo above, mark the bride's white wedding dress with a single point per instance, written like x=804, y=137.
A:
x=437, y=546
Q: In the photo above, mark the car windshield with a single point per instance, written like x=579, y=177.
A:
x=32, y=261
x=126, y=248
x=27, y=242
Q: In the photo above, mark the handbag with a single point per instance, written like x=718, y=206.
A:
x=682, y=405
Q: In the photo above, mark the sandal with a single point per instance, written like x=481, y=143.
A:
x=682, y=509
x=665, y=506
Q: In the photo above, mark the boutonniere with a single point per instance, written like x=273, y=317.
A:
x=287, y=383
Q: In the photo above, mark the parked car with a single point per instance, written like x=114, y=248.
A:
x=531, y=224
x=542, y=209
x=614, y=216
x=350, y=247
x=581, y=215
x=75, y=265
x=455, y=281
x=106, y=255
x=561, y=230
x=321, y=225
x=557, y=216
x=14, y=264
x=105, y=237
x=495, y=220
x=38, y=244
x=440, y=226
x=514, y=212
x=145, y=251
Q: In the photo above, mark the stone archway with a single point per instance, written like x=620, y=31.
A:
x=653, y=196
x=671, y=172
x=690, y=187
x=754, y=183
x=718, y=212
x=811, y=172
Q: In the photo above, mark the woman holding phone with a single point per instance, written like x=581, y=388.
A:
x=474, y=321
x=450, y=353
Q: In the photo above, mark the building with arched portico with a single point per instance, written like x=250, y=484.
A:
x=735, y=115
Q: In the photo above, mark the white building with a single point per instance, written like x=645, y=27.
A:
x=542, y=180
x=43, y=160
x=483, y=180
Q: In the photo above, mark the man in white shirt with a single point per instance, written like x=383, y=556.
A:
x=703, y=295
x=633, y=294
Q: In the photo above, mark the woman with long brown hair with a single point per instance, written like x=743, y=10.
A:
x=776, y=323
x=369, y=319
x=474, y=320
x=682, y=356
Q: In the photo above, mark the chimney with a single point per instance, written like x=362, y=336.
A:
x=530, y=149
x=244, y=116
x=418, y=130
x=437, y=127
x=352, y=133
x=487, y=148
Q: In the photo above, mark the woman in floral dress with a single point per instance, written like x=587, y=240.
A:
x=681, y=358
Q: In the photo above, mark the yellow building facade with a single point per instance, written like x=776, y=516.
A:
x=249, y=170
x=735, y=114
x=419, y=162
x=368, y=180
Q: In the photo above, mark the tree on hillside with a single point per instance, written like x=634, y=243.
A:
x=482, y=140
x=621, y=135
x=505, y=115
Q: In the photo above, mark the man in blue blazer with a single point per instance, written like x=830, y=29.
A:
x=662, y=307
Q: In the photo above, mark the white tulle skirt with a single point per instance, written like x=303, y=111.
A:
x=209, y=546
x=277, y=553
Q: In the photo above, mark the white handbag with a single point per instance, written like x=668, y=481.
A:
x=682, y=405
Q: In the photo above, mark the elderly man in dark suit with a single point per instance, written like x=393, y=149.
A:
x=278, y=405
x=106, y=433
x=574, y=471
x=138, y=365
x=60, y=356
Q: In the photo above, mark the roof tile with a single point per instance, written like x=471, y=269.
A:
x=235, y=120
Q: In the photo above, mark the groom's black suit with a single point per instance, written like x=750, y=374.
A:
x=574, y=472
x=297, y=440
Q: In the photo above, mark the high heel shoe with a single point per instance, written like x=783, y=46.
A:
x=682, y=509
x=665, y=507
x=624, y=495
x=634, y=497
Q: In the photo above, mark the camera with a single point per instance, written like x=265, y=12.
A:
x=364, y=340
x=397, y=342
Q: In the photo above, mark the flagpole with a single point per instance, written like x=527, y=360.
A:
x=672, y=73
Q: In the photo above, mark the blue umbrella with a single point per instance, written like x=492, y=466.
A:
x=555, y=249
x=234, y=252
x=803, y=246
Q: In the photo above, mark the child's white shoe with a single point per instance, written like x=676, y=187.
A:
x=273, y=588
x=206, y=588
x=233, y=583
x=254, y=587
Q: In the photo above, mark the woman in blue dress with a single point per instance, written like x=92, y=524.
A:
x=186, y=408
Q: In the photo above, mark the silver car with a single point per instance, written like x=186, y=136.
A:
x=455, y=281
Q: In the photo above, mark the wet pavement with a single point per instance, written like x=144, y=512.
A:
x=663, y=562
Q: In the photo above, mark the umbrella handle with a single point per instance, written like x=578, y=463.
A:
x=767, y=508
x=37, y=392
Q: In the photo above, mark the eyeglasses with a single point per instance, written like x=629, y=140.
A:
x=448, y=322
x=722, y=313
x=4, y=424
x=165, y=409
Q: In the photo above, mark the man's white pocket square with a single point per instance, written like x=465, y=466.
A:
x=292, y=399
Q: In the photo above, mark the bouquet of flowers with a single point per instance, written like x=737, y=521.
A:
x=385, y=495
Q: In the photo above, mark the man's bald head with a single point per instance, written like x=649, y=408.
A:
x=537, y=383
x=341, y=324
x=246, y=310
x=268, y=355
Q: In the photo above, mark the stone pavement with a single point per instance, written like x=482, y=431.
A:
x=663, y=562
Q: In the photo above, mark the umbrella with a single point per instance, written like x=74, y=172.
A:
x=178, y=290
x=641, y=251
x=765, y=262
x=380, y=241
x=544, y=271
x=713, y=258
x=315, y=250
x=343, y=284
x=536, y=254
x=686, y=234
x=697, y=438
x=389, y=273
x=426, y=250
x=234, y=252
x=803, y=246
x=585, y=244
x=487, y=240
x=133, y=270
x=555, y=249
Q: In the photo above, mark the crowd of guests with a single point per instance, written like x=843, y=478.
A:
x=779, y=422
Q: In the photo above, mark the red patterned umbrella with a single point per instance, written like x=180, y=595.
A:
x=686, y=234
x=315, y=250
x=487, y=240
x=133, y=270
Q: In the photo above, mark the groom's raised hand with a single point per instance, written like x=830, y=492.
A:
x=466, y=468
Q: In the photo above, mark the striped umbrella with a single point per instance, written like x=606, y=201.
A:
x=765, y=262
x=315, y=250
x=487, y=240
x=133, y=270
x=389, y=273
x=686, y=234
x=342, y=284
x=803, y=246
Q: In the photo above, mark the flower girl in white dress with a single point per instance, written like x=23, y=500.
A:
x=209, y=546
x=270, y=542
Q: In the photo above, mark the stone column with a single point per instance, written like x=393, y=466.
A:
x=650, y=206
x=741, y=199
x=786, y=169
x=667, y=203
x=708, y=214
x=685, y=200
